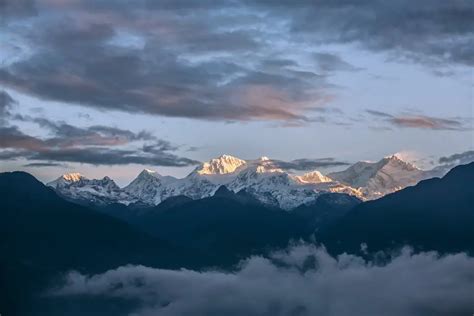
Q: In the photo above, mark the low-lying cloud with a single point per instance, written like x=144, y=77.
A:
x=303, y=280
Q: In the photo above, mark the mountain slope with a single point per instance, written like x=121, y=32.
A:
x=149, y=186
x=231, y=225
x=42, y=235
x=376, y=179
x=75, y=187
x=328, y=208
x=436, y=214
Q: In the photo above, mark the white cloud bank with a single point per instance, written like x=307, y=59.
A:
x=303, y=280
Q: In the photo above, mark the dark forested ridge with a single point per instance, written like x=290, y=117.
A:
x=436, y=214
x=42, y=235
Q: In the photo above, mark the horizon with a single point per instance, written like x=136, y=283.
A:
x=446, y=163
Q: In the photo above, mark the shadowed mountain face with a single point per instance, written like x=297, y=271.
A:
x=327, y=209
x=233, y=225
x=436, y=214
x=229, y=225
x=42, y=235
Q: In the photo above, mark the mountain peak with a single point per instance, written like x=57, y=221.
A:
x=147, y=173
x=379, y=178
x=314, y=177
x=396, y=159
x=72, y=177
x=221, y=165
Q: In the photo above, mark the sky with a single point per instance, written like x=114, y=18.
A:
x=112, y=87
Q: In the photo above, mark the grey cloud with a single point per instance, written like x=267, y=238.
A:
x=427, y=122
x=421, y=121
x=10, y=9
x=303, y=280
x=107, y=156
x=74, y=60
x=278, y=62
x=43, y=164
x=423, y=31
x=308, y=164
x=331, y=62
x=85, y=145
x=12, y=137
x=462, y=158
x=379, y=113
x=447, y=163
x=6, y=103
x=67, y=135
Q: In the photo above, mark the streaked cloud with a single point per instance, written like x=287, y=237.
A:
x=426, y=122
x=420, y=121
x=96, y=145
x=305, y=164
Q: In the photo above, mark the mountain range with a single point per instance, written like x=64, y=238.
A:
x=261, y=178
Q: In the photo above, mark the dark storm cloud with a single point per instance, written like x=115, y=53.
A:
x=86, y=145
x=67, y=135
x=308, y=164
x=301, y=281
x=420, y=121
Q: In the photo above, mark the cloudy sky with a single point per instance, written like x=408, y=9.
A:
x=110, y=87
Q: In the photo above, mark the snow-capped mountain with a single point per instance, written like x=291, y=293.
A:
x=261, y=178
x=376, y=179
x=277, y=187
x=313, y=177
x=74, y=186
x=148, y=186
x=222, y=165
x=270, y=185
